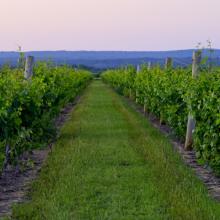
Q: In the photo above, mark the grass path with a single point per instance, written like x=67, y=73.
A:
x=109, y=163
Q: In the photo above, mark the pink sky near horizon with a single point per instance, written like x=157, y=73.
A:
x=108, y=24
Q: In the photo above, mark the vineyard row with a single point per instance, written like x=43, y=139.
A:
x=178, y=99
x=29, y=104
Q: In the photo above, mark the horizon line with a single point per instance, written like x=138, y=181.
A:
x=137, y=51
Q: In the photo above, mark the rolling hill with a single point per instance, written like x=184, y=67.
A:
x=108, y=59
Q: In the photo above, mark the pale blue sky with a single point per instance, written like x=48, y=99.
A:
x=108, y=24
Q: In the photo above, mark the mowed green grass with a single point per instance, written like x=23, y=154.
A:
x=109, y=163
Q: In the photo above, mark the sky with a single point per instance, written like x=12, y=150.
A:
x=130, y=25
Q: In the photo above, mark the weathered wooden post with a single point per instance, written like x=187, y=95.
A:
x=149, y=66
x=130, y=93
x=197, y=56
x=145, y=99
x=137, y=71
x=168, y=63
x=191, y=121
x=29, y=65
x=168, y=66
x=130, y=90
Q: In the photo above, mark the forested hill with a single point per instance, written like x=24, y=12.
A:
x=108, y=59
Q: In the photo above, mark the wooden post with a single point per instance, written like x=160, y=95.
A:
x=29, y=64
x=197, y=56
x=168, y=63
x=168, y=66
x=130, y=93
x=149, y=66
x=137, y=71
x=145, y=99
x=130, y=90
x=191, y=121
x=145, y=105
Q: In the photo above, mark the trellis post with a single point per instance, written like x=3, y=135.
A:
x=145, y=99
x=168, y=63
x=149, y=66
x=137, y=71
x=29, y=65
x=168, y=66
x=191, y=121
